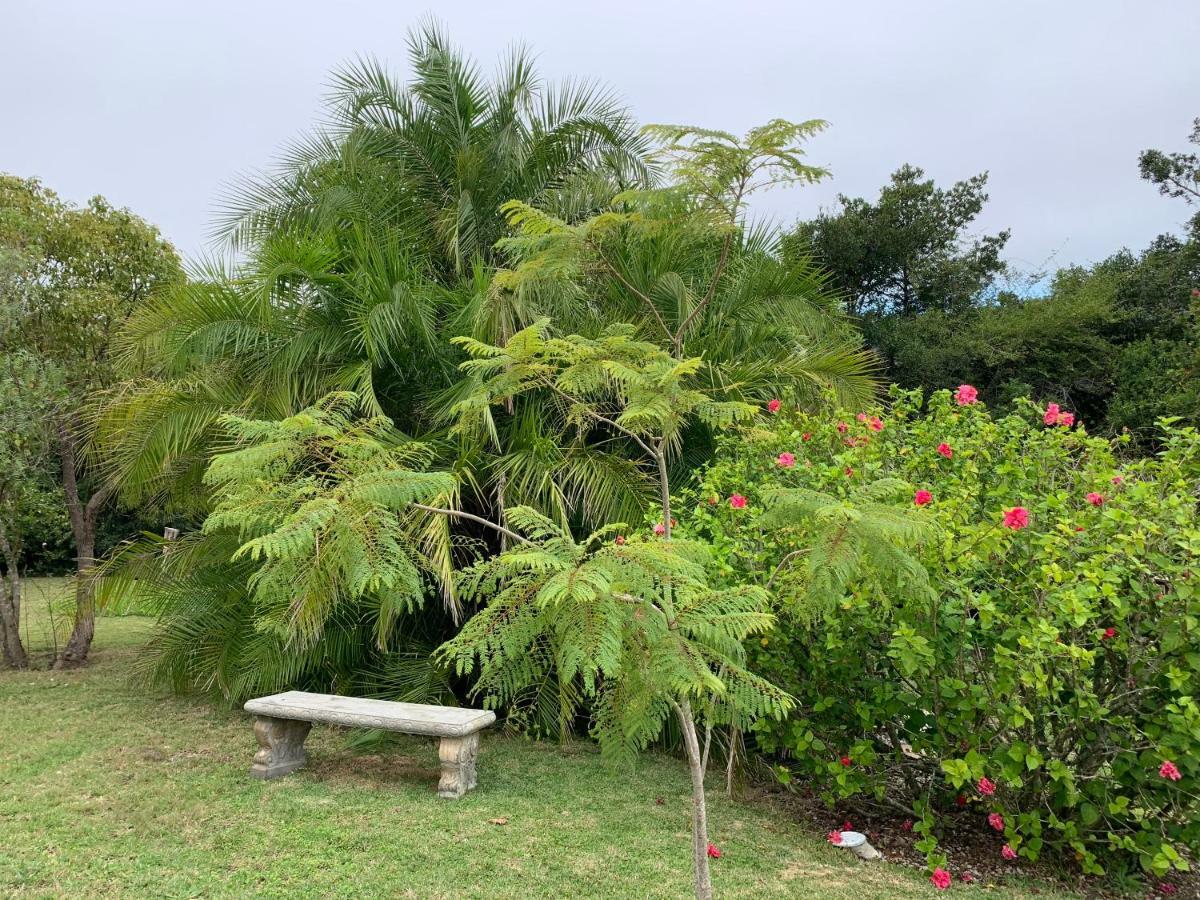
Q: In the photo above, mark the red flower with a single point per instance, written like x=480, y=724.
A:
x=1169, y=770
x=1066, y=420
x=846, y=761
x=922, y=497
x=965, y=395
x=834, y=837
x=996, y=821
x=1079, y=528
x=846, y=826
x=737, y=501
x=1109, y=634
x=941, y=879
x=1167, y=887
x=1016, y=518
x=620, y=541
x=713, y=851
x=807, y=436
x=862, y=417
x=987, y=787
x=660, y=528
x=906, y=825
x=961, y=799
x=1051, y=415
x=875, y=423
x=773, y=406
x=967, y=877
x=944, y=449
x=849, y=472
x=1095, y=499
x=787, y=460
x=1117, y=479
x=1008, y=852
x=842, y=427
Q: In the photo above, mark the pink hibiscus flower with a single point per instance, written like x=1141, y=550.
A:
x=875, y=423
x=842, y=427
x=922, y=497
x=834, y=837
x=660, y=528
x=713, y=851
x=1109, y=634
x=1008, y=852
x=944, y=450
x=787, y=460
x=996, y=821
x=965, y=395
x=1169, y=770
x=1050, y=417
x=737, y=501
x=773, y=406
x=620, y=541
x=987, y=787
x=1095, y=499
x=1016, y=518
x=941, y=879
x=1066, y=420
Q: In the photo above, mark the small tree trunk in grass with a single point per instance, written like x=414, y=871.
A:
x=10, y=607
x=83, y=517
x=699, y=809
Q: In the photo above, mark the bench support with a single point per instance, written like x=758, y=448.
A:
x=458, y=756
x=281, y=746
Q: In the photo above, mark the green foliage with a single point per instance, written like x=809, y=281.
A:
x=1176, y=174
x=909, y=251
x=633, y=627
x=308, y=569
x=1059, y=660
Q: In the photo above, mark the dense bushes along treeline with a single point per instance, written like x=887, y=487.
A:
x=1028, y=660
x=1118, y=341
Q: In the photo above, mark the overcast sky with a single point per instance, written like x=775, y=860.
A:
x=158, y=105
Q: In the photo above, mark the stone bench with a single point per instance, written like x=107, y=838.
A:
x=282, y=722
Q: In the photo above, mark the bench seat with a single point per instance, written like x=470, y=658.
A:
x=282, y=722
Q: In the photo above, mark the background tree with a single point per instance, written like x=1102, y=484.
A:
x=908, y=252
x=1176, y=174
x=28, y=392
x=81, y=272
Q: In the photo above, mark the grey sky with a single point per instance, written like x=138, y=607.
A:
x=157, y=105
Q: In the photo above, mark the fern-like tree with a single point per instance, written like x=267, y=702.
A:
x=634, y=623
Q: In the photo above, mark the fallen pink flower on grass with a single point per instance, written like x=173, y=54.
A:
x=941, y=879
x=1008, y=852
x=713, y=851
x=834, y=837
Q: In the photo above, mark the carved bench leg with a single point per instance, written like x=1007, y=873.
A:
x=458, y=765
x=281, y=746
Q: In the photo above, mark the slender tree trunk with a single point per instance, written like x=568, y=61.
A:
x=10, y=607
x=699, y=807
x=83, y=517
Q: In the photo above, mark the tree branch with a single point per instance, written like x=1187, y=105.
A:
x=455, y=514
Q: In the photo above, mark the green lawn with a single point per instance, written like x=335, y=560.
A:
x=108, y=791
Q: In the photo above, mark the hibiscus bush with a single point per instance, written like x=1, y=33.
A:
x=1041, y=682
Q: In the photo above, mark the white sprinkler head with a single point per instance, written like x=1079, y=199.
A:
x=856, y=841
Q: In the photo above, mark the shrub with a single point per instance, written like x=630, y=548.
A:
x=1043, y=680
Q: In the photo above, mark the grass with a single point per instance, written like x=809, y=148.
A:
x=109, y=790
